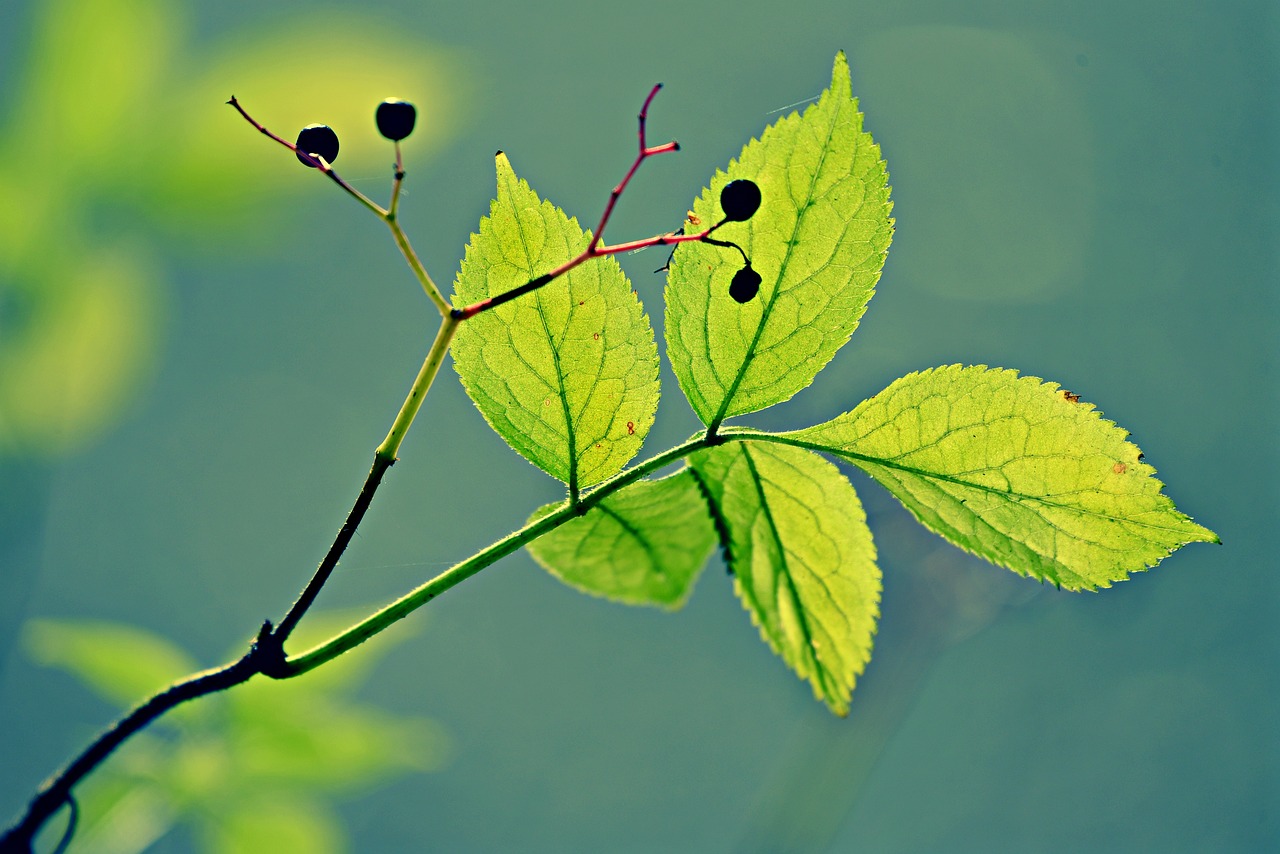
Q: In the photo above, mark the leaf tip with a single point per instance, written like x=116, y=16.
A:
x=1207, y=536
x=502, y=163
x=841, y=78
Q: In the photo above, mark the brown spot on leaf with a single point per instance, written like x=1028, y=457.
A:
x=595, y=335
x=693, y=218
x=631, y=428
x=1070, y=396
x=1119, y=468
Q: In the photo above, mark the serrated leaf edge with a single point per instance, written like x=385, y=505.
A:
x=1169, y=505
x=841, y=85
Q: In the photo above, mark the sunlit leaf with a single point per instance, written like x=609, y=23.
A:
x=568, y=374
x=278, y=824
x=802, y=558
x=1015, y=470
x=292, y=734
x=79, y=104
x=644, y=545
x=78, y=352
x=818, y=241
x=122, y=663
x=121, y=814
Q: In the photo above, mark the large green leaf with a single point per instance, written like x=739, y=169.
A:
x=818, y=241
x=802, y=558
x=643, y=545
x=568, y=374
x=1015, y=470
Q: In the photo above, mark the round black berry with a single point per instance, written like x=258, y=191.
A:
x=395, y=118
x=745, y=284
x=319, y=141
x=739, y=200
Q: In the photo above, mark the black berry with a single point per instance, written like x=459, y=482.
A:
x=395, y=118
x=745, y=284
x=319, y=141
x=739, y=200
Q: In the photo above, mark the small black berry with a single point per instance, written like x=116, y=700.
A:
x=745, y=285
x=739, y=200
x=395, y=118
x=317, y=140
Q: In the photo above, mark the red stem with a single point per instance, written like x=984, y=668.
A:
x=594, y=249
x=310, y=160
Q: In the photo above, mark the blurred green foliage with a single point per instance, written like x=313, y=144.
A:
x=252, y=769
x=116, y=138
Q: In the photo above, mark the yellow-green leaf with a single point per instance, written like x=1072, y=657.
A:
x=568, y=374
x=818, y=241
x=1015, y=470
x=802, y=558
x=644, y=545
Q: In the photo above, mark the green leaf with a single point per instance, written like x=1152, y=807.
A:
x=273, y=823
x=568, y=374
x=1015, y=470
x=802, y=558
x=122, y=663
x=643, y=545
x=818, y=241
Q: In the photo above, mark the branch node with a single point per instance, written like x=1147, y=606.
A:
x=266, y=653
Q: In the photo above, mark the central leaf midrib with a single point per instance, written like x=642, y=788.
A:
x=555, y=353
x=856, y=457
x=782, y=269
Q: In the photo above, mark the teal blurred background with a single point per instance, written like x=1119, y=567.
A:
x=201, y=344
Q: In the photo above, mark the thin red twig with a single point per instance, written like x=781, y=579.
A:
x=594, y=248
x=316, y=162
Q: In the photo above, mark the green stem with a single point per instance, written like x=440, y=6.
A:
x=415, y=599
x=383, y=459
x=421, y=385
x=424, y=278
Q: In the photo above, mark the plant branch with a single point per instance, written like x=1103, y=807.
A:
x=348, y=530
x=312, y=160
x=448, y=579
x=387, y=215
x=421, y=385
x=383, y=459
x=594, y=249
x=266, y=655
x=56, y=791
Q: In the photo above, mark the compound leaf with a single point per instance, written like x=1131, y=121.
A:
x=643, y=545
x=802, y=558
x=567, y=375
x=1015, y=470
x=818, y=241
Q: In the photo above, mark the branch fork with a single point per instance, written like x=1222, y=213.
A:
x=266, y=654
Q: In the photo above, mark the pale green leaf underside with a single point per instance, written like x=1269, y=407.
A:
x=643, y=545
x=818, y=241
x=568, y=374
x=802, y=557
x=1015, y=470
